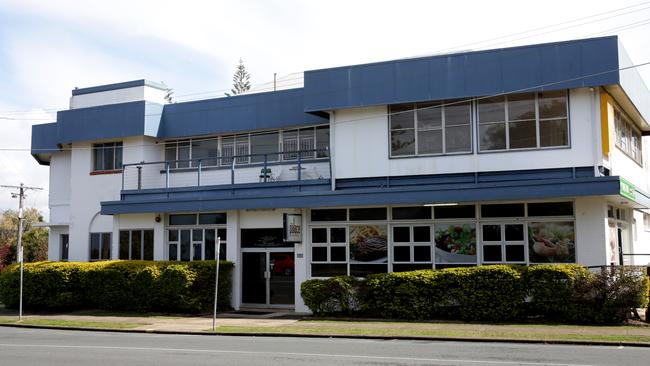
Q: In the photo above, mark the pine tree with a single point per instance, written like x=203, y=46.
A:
x=240, y=81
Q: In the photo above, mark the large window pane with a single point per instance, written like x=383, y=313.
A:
x=429, y=115
x=402, y=142
x=361, y=214
x=148, y=245
x=458, y=139
x=429, y=142
x=502, y=210
x=552, y=104
x=204, y=149
x=124, y=245
x=94, y=246
x=109, y=156
x=521, y=107
x=136, y=245
x=522, y=134
x=368, y=244
x=493, y=136
x=307, y=140
x=209, y=245
x=265, y=143
x=455, y=212
x=334, y=214
x=402, y=116
x=227, y=150
x=492, y=109
x=550, y=209
x=183, y=219
x=183, y=154
x=455, y=243
x=553, y=132
x=322, y=141
x=242, y=149
x=185, y=245
x=106, y=246
x=457, y=114
x=212, y=218
x=290, y=144
x=118, y=155
x=411, y=213
x=551, y=242
x=98, y=161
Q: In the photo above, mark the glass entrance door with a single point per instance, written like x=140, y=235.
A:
x=268, y=277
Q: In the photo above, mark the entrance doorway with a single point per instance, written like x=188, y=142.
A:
x=268, y=277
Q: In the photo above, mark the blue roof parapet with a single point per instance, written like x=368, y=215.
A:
x=117, y=86
x=550, y=66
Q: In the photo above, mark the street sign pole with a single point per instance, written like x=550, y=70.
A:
x=216, y=285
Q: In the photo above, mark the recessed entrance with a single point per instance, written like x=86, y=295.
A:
x=268, y=270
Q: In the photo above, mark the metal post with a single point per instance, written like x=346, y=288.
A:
x=265, y=172
x=299, y=166
x=232, y=171
x=20, y=249
x=216, y=285
x=139, y=177
x=198, y=179
x=20, y=257
x=166, y=175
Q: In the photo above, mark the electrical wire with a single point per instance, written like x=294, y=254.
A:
x=462, y=101
x=439, y=51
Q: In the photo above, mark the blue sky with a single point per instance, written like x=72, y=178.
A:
x=49, y=47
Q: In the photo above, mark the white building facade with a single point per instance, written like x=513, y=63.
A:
x=525, y=155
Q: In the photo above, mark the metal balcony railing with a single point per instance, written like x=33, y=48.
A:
x=251, y=168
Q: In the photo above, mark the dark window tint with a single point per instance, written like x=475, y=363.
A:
x=410, y=267
x=210, y=241
x=337, y=254
x=106, y=246
x=148, y=245
x=412, y=213
x=362, y=214
x=222, y=234
x=136, y=245
x=319, y=235
x=329, y=215
x=421, y=253
x=173, y=249
x=173, y=235
x=492, y=253
x=362, y=270
x=212, y=218
x=182, y=219
x=64, y=240
x=402, y=234
x=124, y=245
x=491, y=232
x=329, y=270
x=514, y=232
x=515, y=253
x=223, y=252
x=337, y=235
x=455, y=212
x=263, y=238
x=185, y=245
x=550, y=209
x=503, y=210
x=421, y=234
x=401, y=254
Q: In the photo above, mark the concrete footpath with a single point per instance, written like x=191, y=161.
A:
x=290, y=324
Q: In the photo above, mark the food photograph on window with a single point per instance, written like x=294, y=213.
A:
x=455, y=243
x=552, y=242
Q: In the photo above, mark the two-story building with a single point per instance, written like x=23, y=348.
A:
x=532, y=154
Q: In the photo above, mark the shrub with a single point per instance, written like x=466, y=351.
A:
x=332, y=295
x=118, y=285
x=487, y=293
x=549, y=288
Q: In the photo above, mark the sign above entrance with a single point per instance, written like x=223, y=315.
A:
x=292, y=228
x=627, y=189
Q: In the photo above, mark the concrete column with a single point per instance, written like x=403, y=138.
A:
x=591, y=231
x=301, y=264
x=233, y=254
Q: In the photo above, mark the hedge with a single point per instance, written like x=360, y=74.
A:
x=118, y=285
x=568, y=293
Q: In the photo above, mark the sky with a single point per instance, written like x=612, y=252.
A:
x=49, y=47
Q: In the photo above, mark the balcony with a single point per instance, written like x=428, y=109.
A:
x=297, y=167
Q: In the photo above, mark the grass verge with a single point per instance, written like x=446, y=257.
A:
x=74, y=323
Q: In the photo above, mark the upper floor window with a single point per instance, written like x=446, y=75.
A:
x=430, y=128
x=107, y=156
x=628, y=137
x=523, y=121
x=250, y=148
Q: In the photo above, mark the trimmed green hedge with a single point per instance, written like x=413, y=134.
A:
x=569, y=293
x=118, y=285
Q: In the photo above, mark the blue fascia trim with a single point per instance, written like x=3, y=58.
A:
x=117, y=86
x=465, y=75
x=248, y=112
x=102, y=122
x=321, y=196
x=44, y=141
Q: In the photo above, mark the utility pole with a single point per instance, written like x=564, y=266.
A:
x=21, y=197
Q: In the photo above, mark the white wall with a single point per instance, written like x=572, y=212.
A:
x=118, y=96
x=591, y=231
x=642, y=243
x=361, y=146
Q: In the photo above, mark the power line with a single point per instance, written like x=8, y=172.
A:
x=504, y=37
x=461, y=101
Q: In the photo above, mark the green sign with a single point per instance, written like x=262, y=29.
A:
x=627, y=189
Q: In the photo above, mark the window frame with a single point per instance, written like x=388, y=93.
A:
x=625, y=126
x=102, y=246
x=130, y=243
x=538, y=121
x=232, y=141
x=117, y=148
x=411, y=244
x=443, y=128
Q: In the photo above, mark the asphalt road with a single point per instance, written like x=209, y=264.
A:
x=20, y=346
